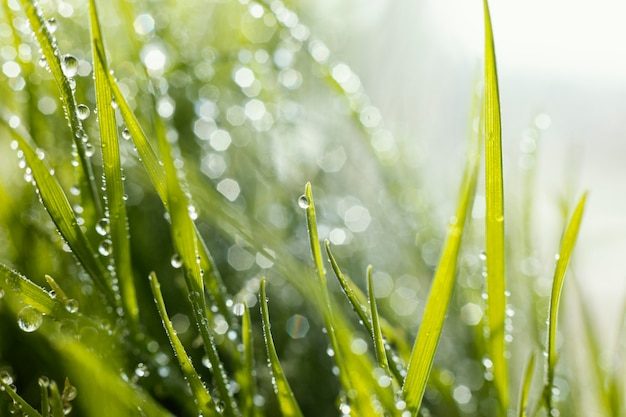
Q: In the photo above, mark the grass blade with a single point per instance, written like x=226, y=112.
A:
x=286, y=399
x=377, y=334
x=112, y=169
x=24, y=407
x=528, y=377
x=423, y=353
x=45, y=401
x=203, y=399
x=567, y=248
x=47, y=43
x=186, y=242
x=56, y=404
x=494, y=235
x=58, y=206
x=247, y=379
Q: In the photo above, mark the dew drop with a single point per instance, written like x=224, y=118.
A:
x=29, y=319
x=105, y=247
x=89, y=150
x=71, y=305
x=176, y=261
x=102, y=227
x=82, y=111
x=52, y=25
x=69, y=65
x=126, y=134
x=303, y=202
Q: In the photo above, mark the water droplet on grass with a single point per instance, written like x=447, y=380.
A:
x=105, y=247
x=176, y=261
x=29, y=319
x=102, y=227
x=126, y=134
x=52, y=25
x=71, y=306
x=303, y=202
x=82, y=111
x=69, y=65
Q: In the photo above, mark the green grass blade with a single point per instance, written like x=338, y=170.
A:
x=25, y=408
x=157, y=173
x=112, y=170
x=58, y=206
x=423, y=353
x=56, y=404
x=202, y=397
x=528, y=377
x=567, y=248
x=286, y=400
x=47, y=43
x=494, y=235
x=247, y=375
x=45, y=401
x=327, y=311
x=186, y=244
x=377, y=335
x=355, y=297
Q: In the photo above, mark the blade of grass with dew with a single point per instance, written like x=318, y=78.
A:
x=204, y=402
x=354, y=297
x=53, y=58
x=494, y=235
x=158, y=176
x=377, y=335
x=56, y=403
x=58, y=206
x=567, y=248
x=115, y=213
x=354, y=375
x=246, y=372
x=45, y=401
x=286, y=400
x=528, y=377
x=423, y=353
x=185, y=239
x=26, y=409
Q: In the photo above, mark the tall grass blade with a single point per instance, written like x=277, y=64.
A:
x=423, y=353
x=286, y=400
x=186, y=243
x=522, y=410
x=158, y=176
x=58, y=206
x=115, y=211
x=494, y=235
x=247, y=374
x=567, y=248
x=377, y=335
x=53, y=58
x=56, y=403
x=202, y=397
x=45, y=400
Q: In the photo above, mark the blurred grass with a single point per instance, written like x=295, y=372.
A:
x=204, y=121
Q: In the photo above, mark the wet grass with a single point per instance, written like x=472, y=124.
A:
x=180, y=154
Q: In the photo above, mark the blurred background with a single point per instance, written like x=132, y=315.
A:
x=561, y=64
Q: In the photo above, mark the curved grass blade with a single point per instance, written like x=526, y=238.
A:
x=354, y=297
x=203, y=399
x=47, y=43
x=56, y=203
x=423, y=353
x=112, y=170
x=494, y=235
x=186, y=242
x=286, y=400
x=567, y=248
x=377, y=335
x=528, y=377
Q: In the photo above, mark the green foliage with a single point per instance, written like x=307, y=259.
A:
x=201, y=136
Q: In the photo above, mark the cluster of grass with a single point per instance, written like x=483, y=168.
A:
x=163, y=226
